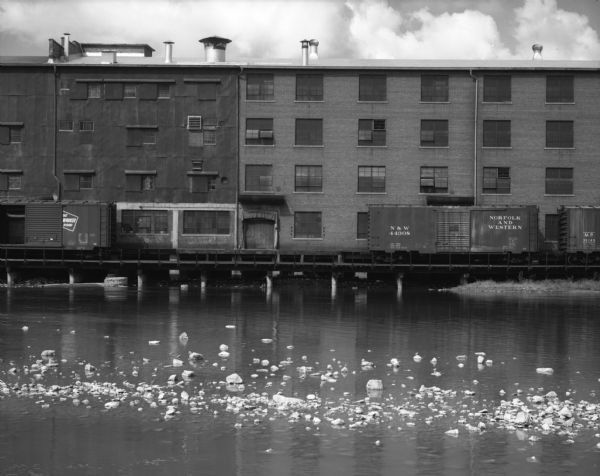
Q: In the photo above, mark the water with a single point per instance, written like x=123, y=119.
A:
x=66, y=429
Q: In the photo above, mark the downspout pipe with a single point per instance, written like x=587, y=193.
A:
x=56, y=194
x=475, y=119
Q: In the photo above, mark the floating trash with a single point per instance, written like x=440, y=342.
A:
x=153, y=342
x=545, y=370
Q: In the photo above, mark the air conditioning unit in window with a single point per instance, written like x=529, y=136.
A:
x=194, y=123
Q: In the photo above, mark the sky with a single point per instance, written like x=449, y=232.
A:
x=269, y=29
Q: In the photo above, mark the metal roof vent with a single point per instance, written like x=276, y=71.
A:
x=304, y=44
x=313, y=54
x=168, y=51
x=214, y=48
x=537, y=51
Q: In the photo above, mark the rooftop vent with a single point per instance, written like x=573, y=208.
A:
x=214, y=48
x=537, y=51
x=309, y=51
x=168, y=52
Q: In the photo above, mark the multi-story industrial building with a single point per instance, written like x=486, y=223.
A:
x=209, y=153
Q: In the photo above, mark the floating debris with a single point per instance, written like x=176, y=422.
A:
x=153, y=342
x=545, y=370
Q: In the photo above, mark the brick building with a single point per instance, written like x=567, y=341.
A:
x=210, y=153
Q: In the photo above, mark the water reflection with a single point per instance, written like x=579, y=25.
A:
x=112, y=328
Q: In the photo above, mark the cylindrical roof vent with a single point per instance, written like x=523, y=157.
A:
x=304, y=44
x=66, y=48
x=214, y=48
x=313, y=53
x=168, y=51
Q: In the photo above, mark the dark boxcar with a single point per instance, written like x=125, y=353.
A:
x=402, y=228
x=512, y=229
x=43, y=224
x=579, y=229
x=86, y=225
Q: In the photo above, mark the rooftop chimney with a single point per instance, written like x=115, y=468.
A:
x=66, y=46
x=313, y=53
x=168, y=51
x=304, y=44
x=214, y=48
x=537, y=51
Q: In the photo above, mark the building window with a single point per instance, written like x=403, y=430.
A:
x=260, y=87
x=206, y=222
x=309, y=131
x=201, y=183
x=129, y=90
x=164, y=91
x=259, y=178
x=209, y=131
x=371, y=132
x=259, y=132
x=362, y=225
x=11, y=181
x=139, y=182
x=559, y=89
x=559, y=181
x=372, y=87
x=309, y=87
x=65, y=125
x=94, y=90
x=496, y=88
x=434, y=180
x=140, y=136
x=496, y=180
x=371, y=179
x=496, y=133
x=86, y=126
x=434, y=88
x=145, y=221
x=308, y=225
x=79, y=181
x=308, y=178
x=551, y=227
x=11, y=133
x=434, y=133
x=559, y=134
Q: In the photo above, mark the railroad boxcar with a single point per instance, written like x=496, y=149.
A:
x=442, y=229
x=69, y=225
x=579, y=229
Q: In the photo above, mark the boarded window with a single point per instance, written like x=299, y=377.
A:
x=86, y=126
x=201, y=183
x=79, y=181
x=308, y=225
x=372, y=87
x=371, y=132
x=16, y=134
x=145, y=221
x=259, y=178
x=260, y=87
x=559, y=134
x=560, y=89
x=11, y=181
x=496, y=88
x=139, y=136
x=94, y=90
x=362, y=225
x=434, y=133
x=371, y=179
x=434, y=88
x=139, y=182
x=309, y=87
x=559, y=181
x=496, y=180
x=65, y=125
x=113, y=91
x=207, y=91
x=309, y=178
x=78, y=91
x=496, y=133
x=164, y=91
x=309, y=132
x=129, y=91
x=434, y=180
x=206, y=222
x=148, y=91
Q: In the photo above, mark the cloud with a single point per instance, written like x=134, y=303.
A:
x=564, y=34
x=379, y=31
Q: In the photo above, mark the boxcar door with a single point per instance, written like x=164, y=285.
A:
x=259, y=234
x=453, y=227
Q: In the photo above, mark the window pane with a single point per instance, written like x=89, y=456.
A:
x=559, y=134
x=372, y=87
x=371, y=132
x=559, y=181
x=307, y=225
x=434, y=88
x=496, y=88
x=129, y=90
x=371, y=179
x=259, y=87
x=309, y=178
x=434, y=133
x=309, y=132
x=94, y=90
x=206, y=222
x=434, y=180
x=259, y=132
x=559, y=89
x=259, y=178
x=496, y=134
x=309, y=87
